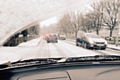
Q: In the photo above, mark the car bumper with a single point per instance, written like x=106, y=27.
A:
x=52, y=40
x=98, y=46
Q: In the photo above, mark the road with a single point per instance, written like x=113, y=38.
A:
x=51, y=50
x=108, y=51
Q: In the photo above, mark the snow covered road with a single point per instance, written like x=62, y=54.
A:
x=49, y=50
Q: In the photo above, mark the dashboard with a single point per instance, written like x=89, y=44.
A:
x=63, y=72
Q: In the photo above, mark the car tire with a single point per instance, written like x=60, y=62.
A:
x=85, y=45
x=82, y=44
x=104, y=48
x=77, y=43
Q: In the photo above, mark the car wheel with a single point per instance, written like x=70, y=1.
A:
x=82, y=44
x=104, y=48
x=77, y=43
x=85, y=45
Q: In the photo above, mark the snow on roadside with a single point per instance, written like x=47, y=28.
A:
x=8, y=56
x=114, y=47
x=33, y=42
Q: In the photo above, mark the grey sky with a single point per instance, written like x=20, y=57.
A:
x=78, y=4
x=15, y=14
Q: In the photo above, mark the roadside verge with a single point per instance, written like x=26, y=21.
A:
x=33, y=42
x=110, y=46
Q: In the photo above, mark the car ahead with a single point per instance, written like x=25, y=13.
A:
x=90, y=40
x=52, y=38
x=62, y=37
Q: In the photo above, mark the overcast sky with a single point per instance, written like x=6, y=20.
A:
x=82, y=5
x=17, y=14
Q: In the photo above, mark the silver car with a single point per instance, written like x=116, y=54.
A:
x=52, y=38
x=90, y=40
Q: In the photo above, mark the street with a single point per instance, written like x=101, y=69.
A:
x=63, y=48
x=102, y=52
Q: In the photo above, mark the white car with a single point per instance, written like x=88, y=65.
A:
x=62, y=37
x=90, y=40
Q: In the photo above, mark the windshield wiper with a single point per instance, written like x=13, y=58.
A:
x=30, y=62
x=38, y=61
x=94, y=58
x=48, y=61
x=7, y=64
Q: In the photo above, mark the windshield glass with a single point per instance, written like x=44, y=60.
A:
x=92, y=36
x=31, y=29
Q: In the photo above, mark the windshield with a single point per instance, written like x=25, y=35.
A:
x=35, y=29
x=92, y=36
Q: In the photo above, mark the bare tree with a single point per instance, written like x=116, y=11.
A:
x=96, y=16
x=87, y=22
x=49, y=29
x=111, y=12
x=64, y=24
x=76, y=22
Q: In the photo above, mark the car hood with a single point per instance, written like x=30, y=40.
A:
x=11, y=57
x=8, y=57
x=98, y=39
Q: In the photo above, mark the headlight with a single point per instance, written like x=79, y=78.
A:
x=91, y=42
x=106, y=42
